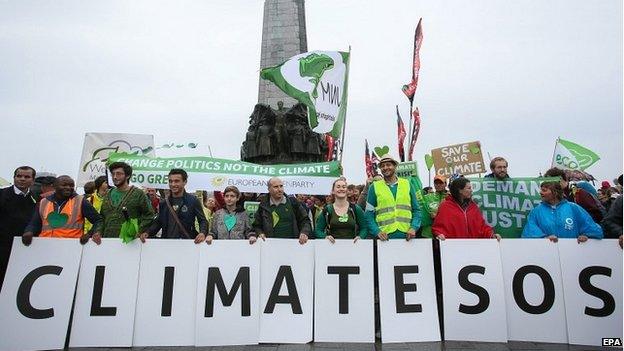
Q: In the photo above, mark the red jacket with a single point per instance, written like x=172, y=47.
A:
x=453, y=222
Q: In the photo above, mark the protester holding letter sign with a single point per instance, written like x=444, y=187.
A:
x=231, y=222
x=16, y=207
x=459, y=216
x=281, y=216
x=178, y=213
x=62, y=214
x=392, y=210
x=342, y=219
x=556, y=218
x=125, y=206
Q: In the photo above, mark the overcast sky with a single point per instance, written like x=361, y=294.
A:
x=513, y=74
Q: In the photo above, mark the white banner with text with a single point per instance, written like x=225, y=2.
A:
x=177, y=293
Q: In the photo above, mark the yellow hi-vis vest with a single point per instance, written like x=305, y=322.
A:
x=390, y=214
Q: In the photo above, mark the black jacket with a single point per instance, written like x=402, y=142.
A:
x=15, y=213
x=612, y=222
x=263, y=219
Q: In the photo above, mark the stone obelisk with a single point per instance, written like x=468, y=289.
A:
x=283, y=36
x=281, y=134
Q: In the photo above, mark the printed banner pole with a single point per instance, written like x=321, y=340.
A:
x=552, y=162
x=344, y=101
x=411, y=132
x=429, y=176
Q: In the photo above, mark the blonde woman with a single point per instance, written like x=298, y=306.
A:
x=341, y=219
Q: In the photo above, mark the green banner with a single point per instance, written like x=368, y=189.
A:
x=506, y=203
x=210, y=174
x=407, y=169
x=251, y=207
x=218, y=165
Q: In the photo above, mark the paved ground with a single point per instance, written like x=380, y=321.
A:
x=424, y=346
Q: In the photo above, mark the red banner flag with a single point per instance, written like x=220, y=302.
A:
x=368, y=161
x=410, y=89
x=401, y=134
x=331, y=145
x=375, y=162
x=415, y=131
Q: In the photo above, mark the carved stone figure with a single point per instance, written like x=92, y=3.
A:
x=282, y=136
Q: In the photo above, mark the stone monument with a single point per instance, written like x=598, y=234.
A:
x=278, y=126
x=283, y=36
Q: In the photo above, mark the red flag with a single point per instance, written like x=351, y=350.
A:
x=375, y=162
x=401, y=134
x=367, y=160
x=410, y=89
x=415, y=131
x=331, y=144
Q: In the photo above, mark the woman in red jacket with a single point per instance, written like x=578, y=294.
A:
x=459, y=217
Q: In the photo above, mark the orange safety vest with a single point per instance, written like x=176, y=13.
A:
x=75, y=222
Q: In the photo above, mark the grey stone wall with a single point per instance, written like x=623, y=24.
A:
x=283, y=36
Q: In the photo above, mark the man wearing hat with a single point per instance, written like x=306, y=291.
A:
x=44, y=185
x=439, y=184
x=392, y=210
x=431, y=202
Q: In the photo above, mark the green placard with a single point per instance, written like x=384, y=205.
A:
x=251, y=207
x=407, y=169
x=506, y=203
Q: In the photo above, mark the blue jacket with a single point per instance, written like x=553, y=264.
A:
x=565, y=220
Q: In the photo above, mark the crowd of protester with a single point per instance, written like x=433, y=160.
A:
x=386, y=207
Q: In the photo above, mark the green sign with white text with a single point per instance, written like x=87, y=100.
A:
x=207, y=173
x=506, y=204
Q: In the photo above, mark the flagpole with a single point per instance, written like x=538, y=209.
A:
x=429, y=171
x=411, y=132
x=552, y=161
x=344, y=101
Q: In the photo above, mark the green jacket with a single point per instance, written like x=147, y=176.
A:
x=138, y=206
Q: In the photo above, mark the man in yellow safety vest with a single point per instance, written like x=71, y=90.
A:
x=392, y=210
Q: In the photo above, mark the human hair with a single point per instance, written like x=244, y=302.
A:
x=271, y=181
x=127, y=169
x=232, y=189
x=350, y=186
x=496, y=159
x=456, y=186
x=179, y=171
x=556, y=172
x=25, y=168
x=341, y=179
x=555, y=188
x=427, y=189
x=89, y=188
x=619, y=179
x=99, y=181
x=60, y=178
x=608, y=191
